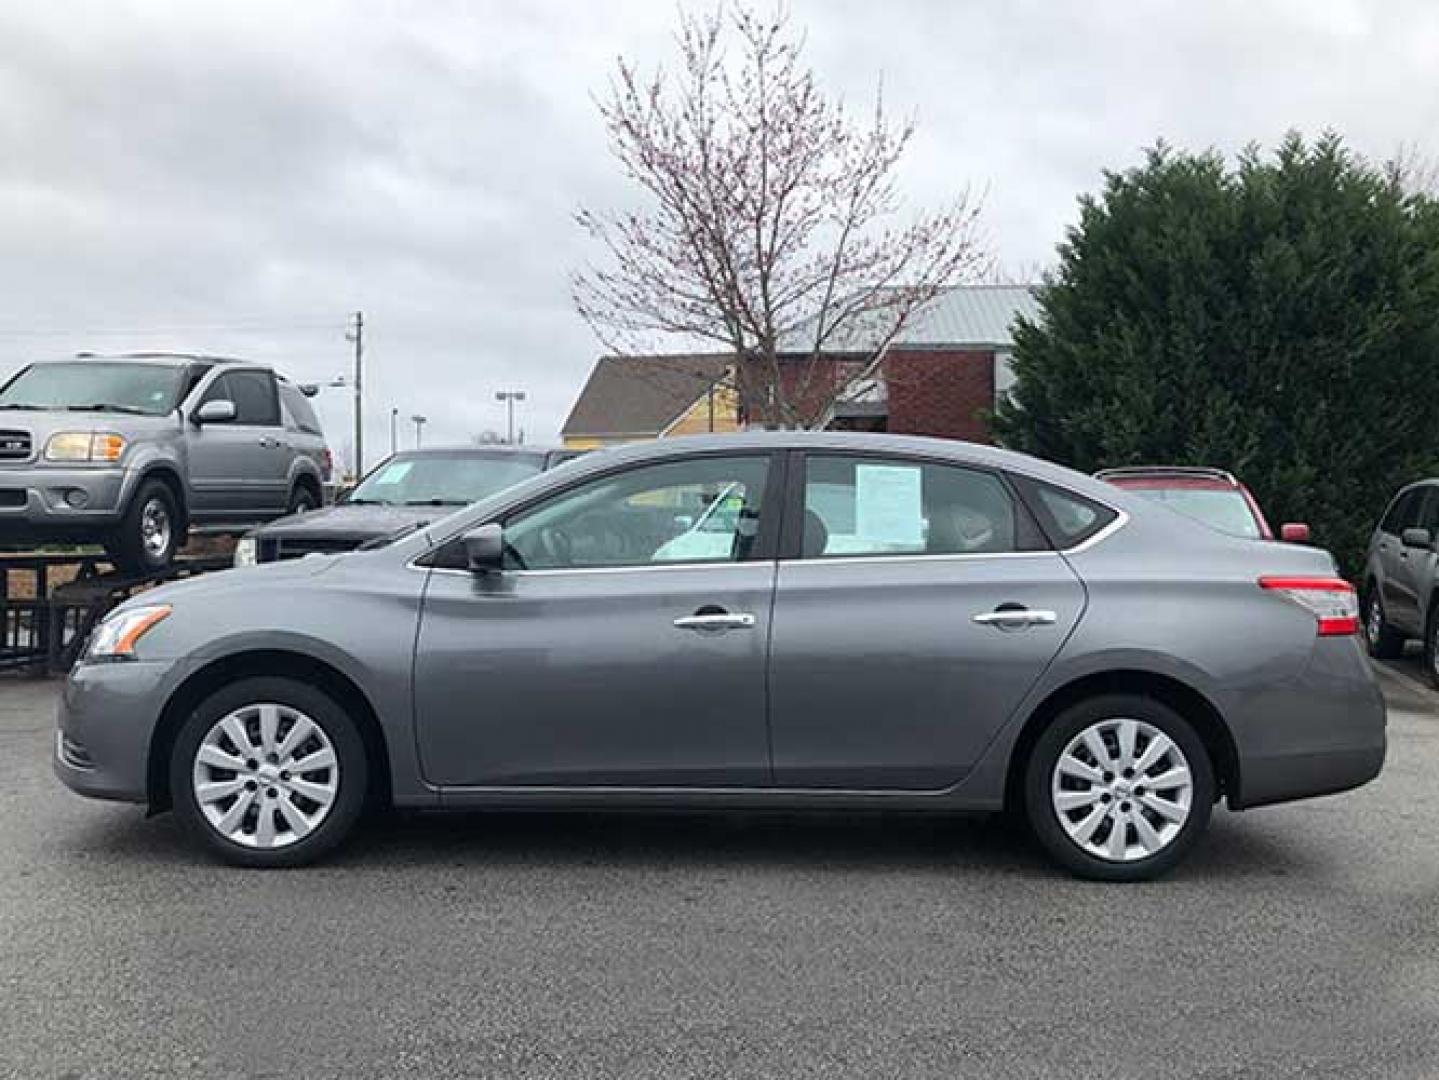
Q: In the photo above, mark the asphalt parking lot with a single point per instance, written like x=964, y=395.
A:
x=1300, y=941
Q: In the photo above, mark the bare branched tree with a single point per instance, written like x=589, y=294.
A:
x=1414, y=171
x=770, y=223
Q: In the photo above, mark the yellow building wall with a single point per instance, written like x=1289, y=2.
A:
x=696, y=419
x=693, y=421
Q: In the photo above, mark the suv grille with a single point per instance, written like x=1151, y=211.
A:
x=14, y=445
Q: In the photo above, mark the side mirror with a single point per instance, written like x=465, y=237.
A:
x=215, y=411
x=1294, y=532
x=1417, y=538
x=485, y=548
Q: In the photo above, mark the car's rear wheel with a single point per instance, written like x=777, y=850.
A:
x=269, y=772
x=302, y=500
x=149, y=534
x=1119, y=788
x=1383, y=640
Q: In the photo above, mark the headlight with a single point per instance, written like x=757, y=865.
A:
x=85, y=446
x=115, y=637
x=246, y=553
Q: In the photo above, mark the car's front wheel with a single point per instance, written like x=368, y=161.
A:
x=269, y=772
x=1382, y=639
x=149, y=533
x=1119, y=788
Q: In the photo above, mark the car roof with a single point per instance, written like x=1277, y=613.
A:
x=956, y=450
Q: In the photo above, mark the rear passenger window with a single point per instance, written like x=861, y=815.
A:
x=253, y=393
x=893, y=506
x=1069, y=519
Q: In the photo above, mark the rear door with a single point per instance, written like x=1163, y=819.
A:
x=241, y=468
x=919, y=608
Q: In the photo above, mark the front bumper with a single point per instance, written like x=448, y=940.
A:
x=1319, y=734
x=104, y=725
x=40, y=503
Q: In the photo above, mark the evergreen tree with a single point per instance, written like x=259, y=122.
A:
x=1279, y=319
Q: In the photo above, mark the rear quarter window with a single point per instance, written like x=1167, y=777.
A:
x=298, y=413
x=1067, y=518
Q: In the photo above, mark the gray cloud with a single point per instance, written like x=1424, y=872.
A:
x=239, y=177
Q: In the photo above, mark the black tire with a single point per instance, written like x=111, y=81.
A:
x=1431, y=647
x=1382, y=640
x=138, y=545
x=352, y=778
x=302, y=500
x=1044, y=758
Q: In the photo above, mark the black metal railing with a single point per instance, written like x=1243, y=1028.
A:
x=49, y=603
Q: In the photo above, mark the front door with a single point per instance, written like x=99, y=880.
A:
x=623, y=645
x=923, y=606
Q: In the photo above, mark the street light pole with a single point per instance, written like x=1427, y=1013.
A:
x=509, y=397
x=420, y=422
x=356, y=332
x=394, y=442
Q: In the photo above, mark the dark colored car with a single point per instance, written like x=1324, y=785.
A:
x=1212, y=496
x=406, y=491
x=1400, y=592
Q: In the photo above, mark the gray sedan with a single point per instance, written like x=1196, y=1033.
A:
x=755, y=621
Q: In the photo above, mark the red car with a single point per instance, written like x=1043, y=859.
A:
x=1212, y=496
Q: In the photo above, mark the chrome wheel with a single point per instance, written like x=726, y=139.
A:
x=266, y=776
x=155, y=528
x=1122, y=790
x=1374, y=624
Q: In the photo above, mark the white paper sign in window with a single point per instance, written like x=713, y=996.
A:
x=889, y=505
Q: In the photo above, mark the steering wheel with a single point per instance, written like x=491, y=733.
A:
x=557, y=546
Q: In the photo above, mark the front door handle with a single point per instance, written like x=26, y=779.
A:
x=1014, y=618
x=741, y=620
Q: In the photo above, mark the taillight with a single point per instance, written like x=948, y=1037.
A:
x=1332, y=601
x=327, y=464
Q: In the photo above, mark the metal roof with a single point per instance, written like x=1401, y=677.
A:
x=971, y=315
x=965, y=316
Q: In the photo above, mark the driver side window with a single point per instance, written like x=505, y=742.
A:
x=695, y=511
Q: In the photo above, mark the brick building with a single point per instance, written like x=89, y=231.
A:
x=942, y=376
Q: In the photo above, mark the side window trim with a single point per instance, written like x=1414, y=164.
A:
x=443, y=556
x=792, y=536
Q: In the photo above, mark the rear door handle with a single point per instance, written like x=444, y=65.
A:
x=741, y=620
x=1013, y=618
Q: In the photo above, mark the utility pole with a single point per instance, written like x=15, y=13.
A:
x=355, y=331
x=394, y=445
x=420, y=422
x=509, y=397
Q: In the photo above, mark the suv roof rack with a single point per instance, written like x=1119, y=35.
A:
x=160, y=355
x=1167, y=470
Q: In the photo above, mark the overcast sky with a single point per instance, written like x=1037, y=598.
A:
x=238, y=177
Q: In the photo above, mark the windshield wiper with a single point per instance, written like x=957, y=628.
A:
x=435, y=502
x=367, y=502
x=105, y=406
x=27, y=408
x=391, y=537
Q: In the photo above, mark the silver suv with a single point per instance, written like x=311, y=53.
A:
x=131, y=452
x=1400, y=595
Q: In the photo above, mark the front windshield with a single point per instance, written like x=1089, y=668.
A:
x=98, y=386
x=444, y=479
x=1225, y=510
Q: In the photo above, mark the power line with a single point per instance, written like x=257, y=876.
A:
x=216, y=328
